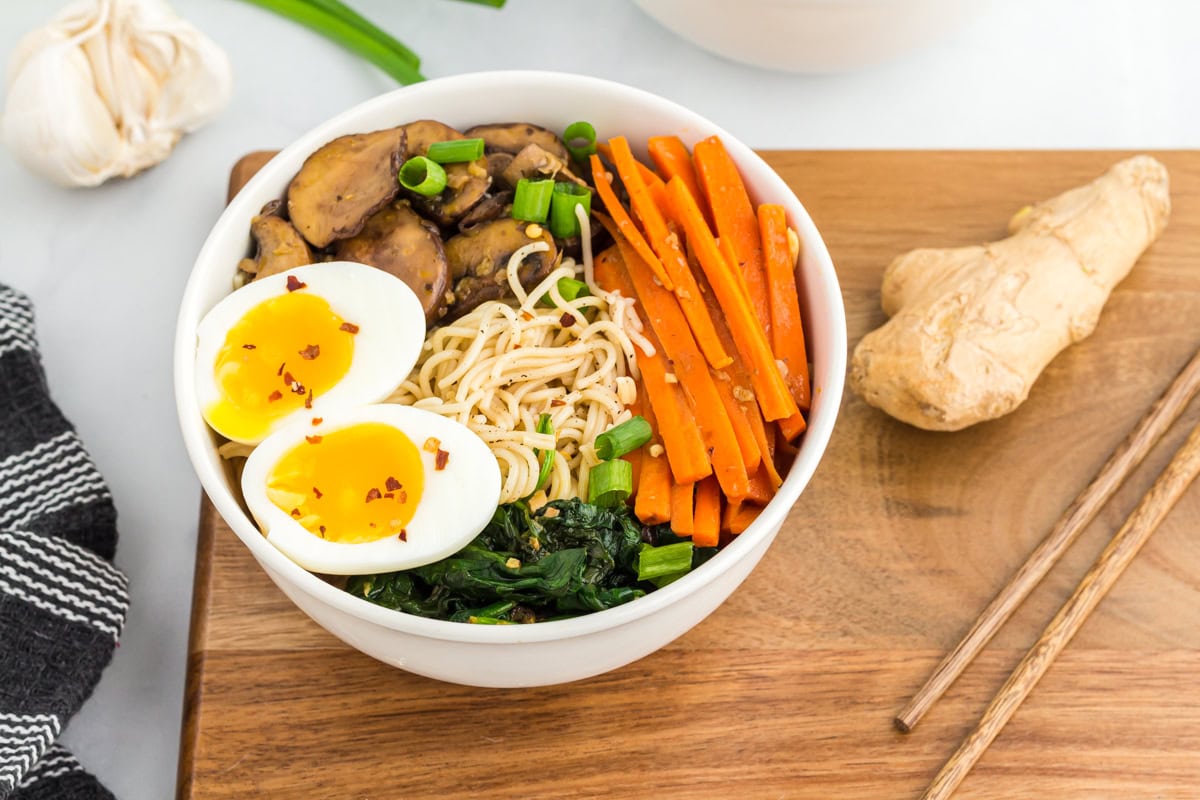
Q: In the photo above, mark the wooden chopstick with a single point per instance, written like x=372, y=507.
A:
x=1161, y=498
x=1077, y=517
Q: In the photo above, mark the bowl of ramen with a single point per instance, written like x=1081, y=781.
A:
x=510, y=379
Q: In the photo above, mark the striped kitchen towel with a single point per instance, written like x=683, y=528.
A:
x=62, y=602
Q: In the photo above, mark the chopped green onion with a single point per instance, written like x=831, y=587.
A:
x=341, y=24
x=544, y=425
x=423, y=176
x=610, y=483
x=624, y=438
x=492, y=3
x=532, y=200
x=570, y=289
x=669, y=559
x=563, y=222
x=455, y=151
x=580, y=139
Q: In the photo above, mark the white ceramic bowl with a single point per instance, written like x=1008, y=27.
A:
x=548, y=652
x=812, y=35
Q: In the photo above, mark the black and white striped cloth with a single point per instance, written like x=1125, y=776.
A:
x=62, y=602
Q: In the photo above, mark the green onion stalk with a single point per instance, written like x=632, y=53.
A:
x=343, y=25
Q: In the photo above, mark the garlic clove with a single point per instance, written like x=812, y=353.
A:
x=107, y=88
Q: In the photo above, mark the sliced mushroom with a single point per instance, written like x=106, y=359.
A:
x=479, y=261
x=497, y=163
x=511, y=137
x=466, y=183
x=343, y=183
x=537, y=163
x=398, y=240
x=278, y=245
x=491, y=207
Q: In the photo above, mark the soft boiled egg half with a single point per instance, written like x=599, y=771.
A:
x=374, y=489
x=304, y=343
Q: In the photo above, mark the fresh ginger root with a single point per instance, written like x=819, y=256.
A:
x=971, y=328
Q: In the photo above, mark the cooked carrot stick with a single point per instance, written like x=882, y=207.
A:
x=766, y=445
x=733, y=216
x=649, y=176
x=793, y=426
x=625, y=224
x=653, y=504
x=670, y=155
x=761, y=488
x=733, y=383
x=787, y=330
x=706, y=519
x=682, y=497
x=726, y=246
x=771, y=390
x=742, y=517
x=677, y=426
x=668, y=249
x=689, y=369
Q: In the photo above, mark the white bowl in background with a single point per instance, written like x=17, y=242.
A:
x=812, y=35
x=546, y=652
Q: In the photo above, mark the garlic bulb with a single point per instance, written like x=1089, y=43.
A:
x=107, y=88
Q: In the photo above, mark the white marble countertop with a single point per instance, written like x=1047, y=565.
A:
x=106, y=266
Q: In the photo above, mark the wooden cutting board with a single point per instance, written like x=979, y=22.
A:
x=788, y=690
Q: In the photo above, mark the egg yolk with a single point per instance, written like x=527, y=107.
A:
x=279, y=356
x=356, y=484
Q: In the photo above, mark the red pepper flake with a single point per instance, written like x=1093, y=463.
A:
x=296, y=512
x=322, y=529
x=403, y=496
x=432, y=444
x=391, y=484
x=525, y=315
x=316, y=420
x=288, y=379
x=308, y=404
x=310, y=352
x=317, y=493
x=403, y=535
x=439, y=461
x=297, y=387
x=280, y=370
x=273, y=396
x=566, y=320
x=349, y=327
x=555, y=403
x=374, y=494
x=388, y=495
x=312, y=439
x=294, y=283
x=373, y=525
x=248, y=347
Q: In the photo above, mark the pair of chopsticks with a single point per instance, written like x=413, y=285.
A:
x=1125, y=544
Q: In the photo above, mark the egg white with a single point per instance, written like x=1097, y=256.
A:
x=456, y=503
x=391, y=331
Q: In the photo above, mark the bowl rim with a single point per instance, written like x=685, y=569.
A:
x=198, y=441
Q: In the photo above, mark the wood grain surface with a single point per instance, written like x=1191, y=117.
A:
x=788, y=690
